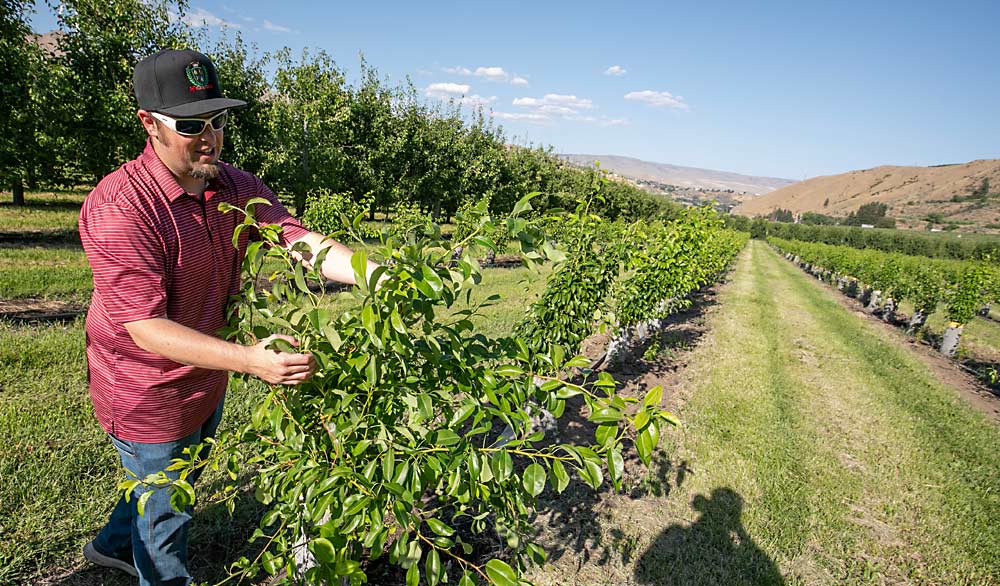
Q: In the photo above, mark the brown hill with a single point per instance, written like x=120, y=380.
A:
x=913, y=194
x=681, y=177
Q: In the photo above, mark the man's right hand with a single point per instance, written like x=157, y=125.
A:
x=279, y=368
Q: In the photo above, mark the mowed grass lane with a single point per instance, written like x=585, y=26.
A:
x=815, y=449
x=854, y=463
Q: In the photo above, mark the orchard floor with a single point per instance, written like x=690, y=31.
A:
x=817, y=447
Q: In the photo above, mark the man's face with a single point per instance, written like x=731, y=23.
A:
x=186, y=156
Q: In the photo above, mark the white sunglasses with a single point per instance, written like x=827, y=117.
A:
x=192, y=126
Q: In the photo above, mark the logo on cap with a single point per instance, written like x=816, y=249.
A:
x=198, y=77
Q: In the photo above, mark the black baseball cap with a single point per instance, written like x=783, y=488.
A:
x=179, y=84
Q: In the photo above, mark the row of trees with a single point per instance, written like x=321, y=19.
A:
x=902, y=241
x=884, y=280
x=872, y=214
x=306, y=131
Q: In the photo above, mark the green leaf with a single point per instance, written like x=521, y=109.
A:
x=509, y=370
x=397, y=322
x=140, y=505
x=359, y=262
x=323, y=550
x=281, y=345
x=500, y=573
x=368, y=320
x=524, y=204
x=439, y=528
x=645, y=442
x=616, y=465
x=533, y=479
x=300, y=280
x=466, y=580
x=653, y=397
x=257, y=200
x=413, y=576
x=559, y=476
x=447, y=437
x=591, y=474
x=641, y=419
x=606, y=415
x=567, y=392
x=433, y=280
x=605, y=433
x=502, y=465
x=432, y=568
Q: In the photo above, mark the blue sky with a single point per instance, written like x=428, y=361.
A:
x=784, y=89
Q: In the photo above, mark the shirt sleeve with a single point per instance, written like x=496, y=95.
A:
x=128, y=262
x=277, y=214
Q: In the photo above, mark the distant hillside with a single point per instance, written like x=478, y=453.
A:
x=949, y=194
x=689, y=177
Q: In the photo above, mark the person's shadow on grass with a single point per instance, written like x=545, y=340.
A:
x=716, y=549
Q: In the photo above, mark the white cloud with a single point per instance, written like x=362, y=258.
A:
x=615, y=70
x=553, y=107
x=525, y=117
x=201, y=17
x=268, y=25
x=447, y=88
x=488, y=73
x=491, y=73
x=553, y=101
x=455, y=92
x=475, y=101
x=658, y=99
x=603, y=121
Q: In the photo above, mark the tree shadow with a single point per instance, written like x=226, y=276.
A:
x=715, y=549
x=55, y=238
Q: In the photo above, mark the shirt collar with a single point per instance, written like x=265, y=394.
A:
x=166, y=179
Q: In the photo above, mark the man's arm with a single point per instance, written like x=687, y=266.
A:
x=182, y=344
x=337, y=264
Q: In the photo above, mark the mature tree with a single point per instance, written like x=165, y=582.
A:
x=97, y=52
x=871, y=213
x=19, y=62
x=309, y=112
x=249, y=140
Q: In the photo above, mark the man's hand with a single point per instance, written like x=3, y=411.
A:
x=279, y=368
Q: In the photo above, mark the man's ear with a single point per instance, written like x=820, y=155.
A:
x=149, y=123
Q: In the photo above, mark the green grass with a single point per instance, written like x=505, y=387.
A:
x=44, y=211
x=45, y=272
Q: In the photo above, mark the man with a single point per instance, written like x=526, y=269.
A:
x=164, y=265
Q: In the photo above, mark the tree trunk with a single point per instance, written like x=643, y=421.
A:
x=18, y=189
x=952, y=335
x=916, y=321
x=889, y=311
x=873, y=301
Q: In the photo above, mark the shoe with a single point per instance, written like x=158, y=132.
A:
x=126, y=565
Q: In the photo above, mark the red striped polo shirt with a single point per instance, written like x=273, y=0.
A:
x=156, y=250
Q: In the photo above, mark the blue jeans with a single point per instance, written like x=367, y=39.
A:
x=158, y=539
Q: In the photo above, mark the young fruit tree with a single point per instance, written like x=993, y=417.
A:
x=391, y=448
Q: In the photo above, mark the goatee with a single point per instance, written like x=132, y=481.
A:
x=205, y=172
